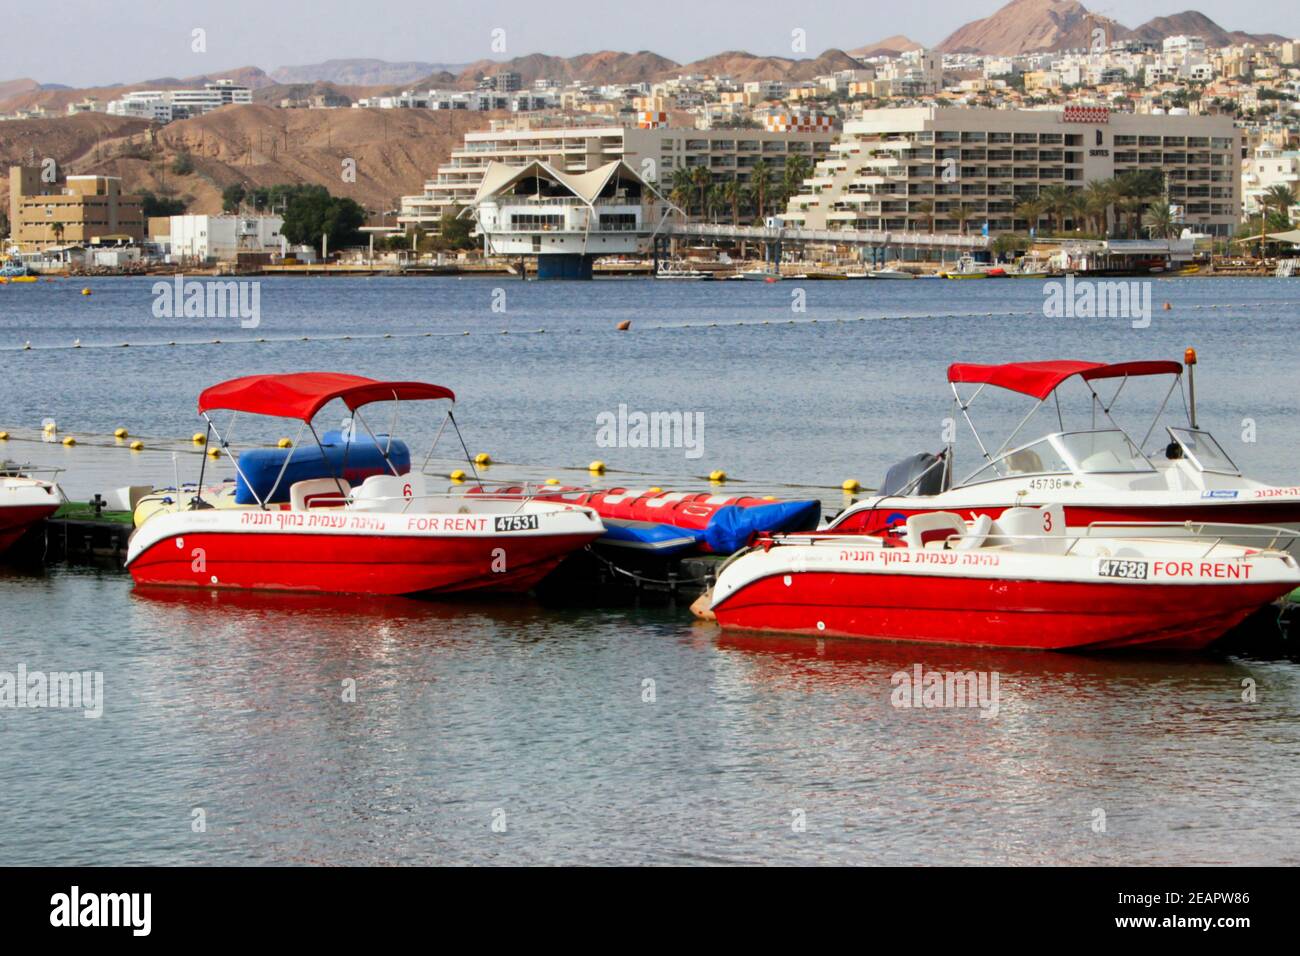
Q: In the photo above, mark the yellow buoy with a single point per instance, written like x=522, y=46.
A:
x=656, y=490
x=482, y=458
x=4, y=436
x=69, y=441
x=137, y=445
x=552, y=481
x=769, y=497
x=851, y=485
x=120, y=433
x=457, y=475
x=199, y=438
x=596, y=467
x=214, y=452
x=85, y=292
x=717, y=476
x=284, y=443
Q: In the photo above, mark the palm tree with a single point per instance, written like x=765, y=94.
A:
x=760, y=183
x=1279, y=197
x=735, y=194
x=701, y=177
x=1159, y=221
x=926, y=208
x=683, y=188
x=716, y=199
x=1056, y=199
x=796, y=170
x=1031, y=210
x=1100, y=195
x=1136, y=190
x=962, y=213
x=1076, y=205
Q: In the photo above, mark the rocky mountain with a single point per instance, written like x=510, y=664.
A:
x=361, y=72
x=1193, y=24
x=890, y=46
x=606, y=66
x=1024, y=26
x=746, y=66
x=1027, y=26
x=395, y=150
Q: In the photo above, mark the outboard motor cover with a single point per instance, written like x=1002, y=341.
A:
x=929, y=468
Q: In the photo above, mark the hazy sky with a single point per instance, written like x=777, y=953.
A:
x=108, y=41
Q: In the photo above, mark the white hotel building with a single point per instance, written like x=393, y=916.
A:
x=890, y=163
x=653, y=153
x=163, y=106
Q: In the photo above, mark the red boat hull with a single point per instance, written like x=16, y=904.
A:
x=354, y=564
x=1039, y=615
x=1080, y=516
x=15, y=520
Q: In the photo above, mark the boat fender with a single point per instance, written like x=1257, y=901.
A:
x=701, y=606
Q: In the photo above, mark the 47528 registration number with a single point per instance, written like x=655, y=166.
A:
x=1120, y=568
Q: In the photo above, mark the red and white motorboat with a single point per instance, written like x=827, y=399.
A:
x=1097, y=473
x=384, y=536
x=24, y=502
x=1021, y=581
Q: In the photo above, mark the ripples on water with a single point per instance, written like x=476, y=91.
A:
x=232, y=702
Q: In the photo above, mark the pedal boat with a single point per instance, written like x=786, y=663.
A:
x=1021, y=581
x=385, y=536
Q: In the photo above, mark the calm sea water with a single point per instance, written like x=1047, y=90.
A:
x=539, y=718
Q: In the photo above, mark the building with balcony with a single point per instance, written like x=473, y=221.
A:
x=565, y=219
x=950, y=170
x=655, y=153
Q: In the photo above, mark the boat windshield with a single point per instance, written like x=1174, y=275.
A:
x=1083, y=453
x=1203, y=451
x=1102, y=452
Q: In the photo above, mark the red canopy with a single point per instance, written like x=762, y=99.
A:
x=302, y=394
x=1040, y=379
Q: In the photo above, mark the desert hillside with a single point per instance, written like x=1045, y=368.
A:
x=395, y=150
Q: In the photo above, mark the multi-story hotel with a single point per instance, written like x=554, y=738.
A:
x=85, y=209
x=898, y=169
x=653, y=153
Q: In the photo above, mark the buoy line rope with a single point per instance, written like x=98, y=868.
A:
x=360, y=336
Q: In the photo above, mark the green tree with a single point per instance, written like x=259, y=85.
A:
x=311, y=213
x=456, y=231
x=183, y=164
x=232, y=196
x=152, y=205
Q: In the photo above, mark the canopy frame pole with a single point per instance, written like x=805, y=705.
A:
x=356, y=414
x=285, y=467
x=965, y=413
x=1161, y=410
x=198, y=489
x=234, y=459
x=465, y=448
x=1023, y=422
x=436, y=438
x=338, y=478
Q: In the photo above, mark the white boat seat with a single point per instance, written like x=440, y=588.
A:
x=1036, y=530
x=935, y=526
x=1024, y=462
x=388, y=492
x=976, y=534
x=317, y=493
